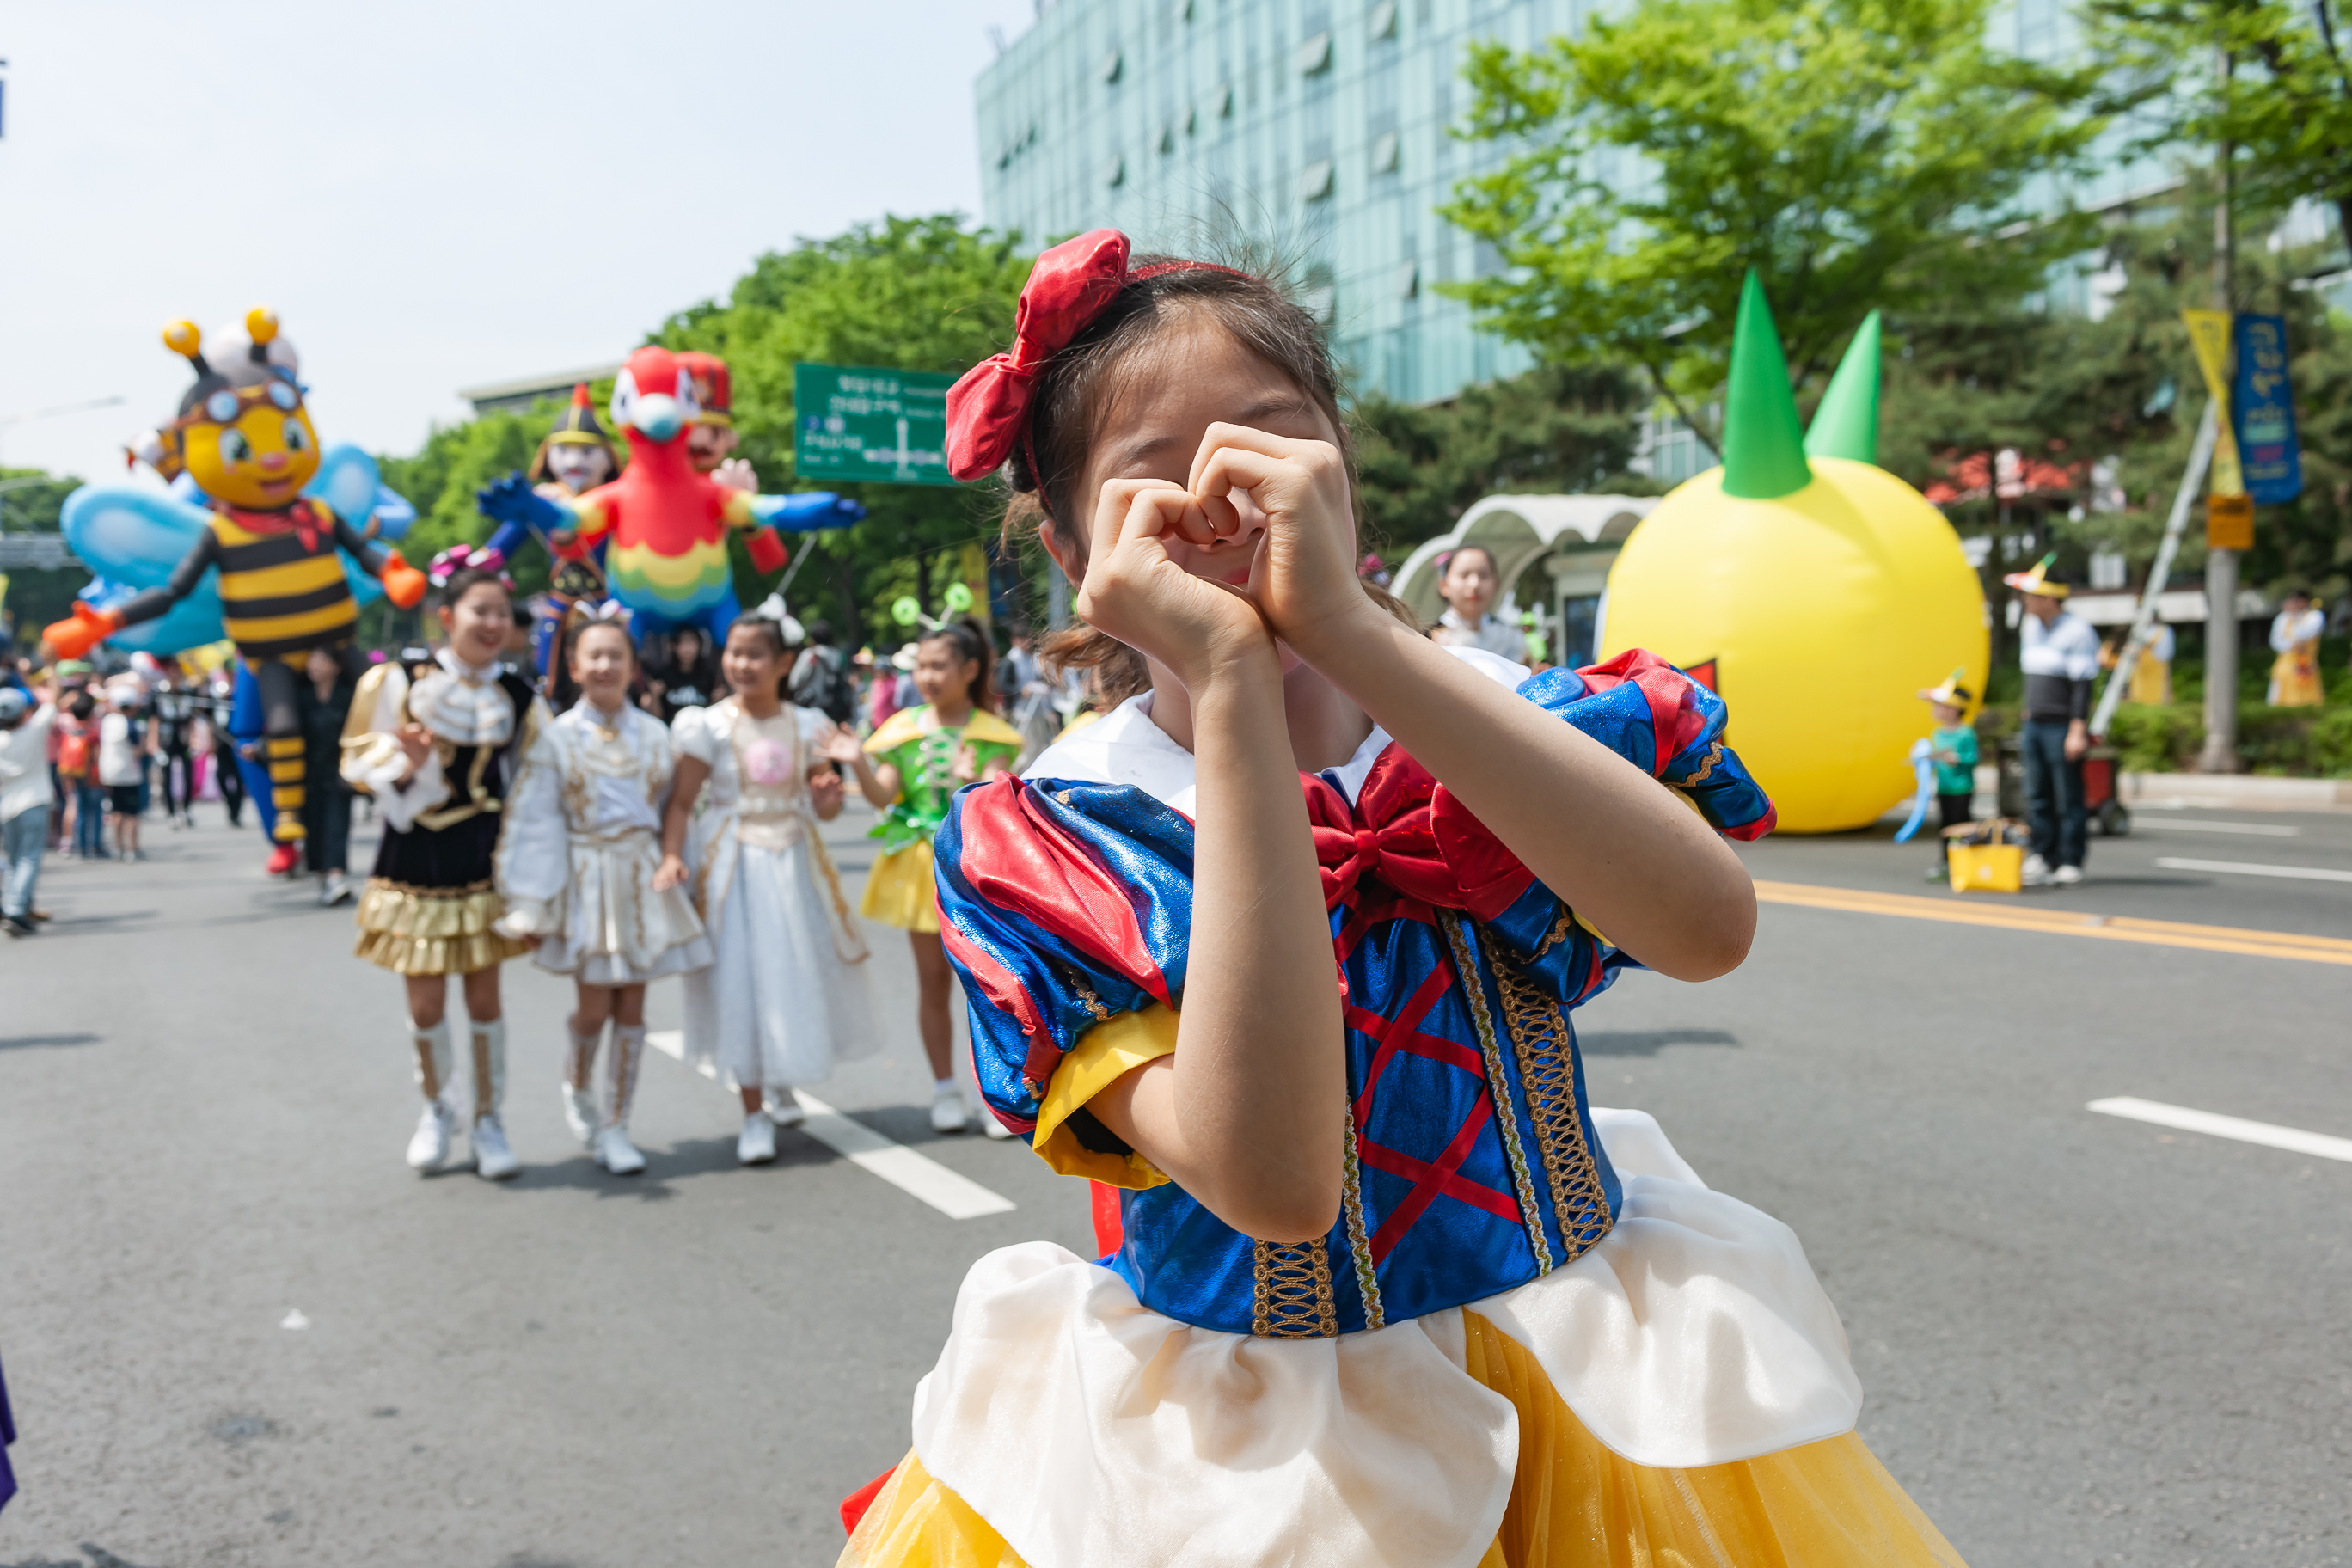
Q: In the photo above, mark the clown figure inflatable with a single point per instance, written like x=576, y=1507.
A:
x=1824, y=591
x=662, y=523
x=267, y=543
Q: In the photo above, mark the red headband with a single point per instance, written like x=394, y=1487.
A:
x=1072, y=283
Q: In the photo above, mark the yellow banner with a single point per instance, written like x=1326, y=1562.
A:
x=4, y=588
x=2209, y=334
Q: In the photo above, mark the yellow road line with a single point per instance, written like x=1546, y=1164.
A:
x=2063, y=922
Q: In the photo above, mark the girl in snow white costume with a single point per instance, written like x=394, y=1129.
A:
x=786, y=995
x=1390, y=1290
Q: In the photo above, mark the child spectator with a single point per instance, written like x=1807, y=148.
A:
x=1953, y=749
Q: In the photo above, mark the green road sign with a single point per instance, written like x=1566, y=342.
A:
x=886, y=426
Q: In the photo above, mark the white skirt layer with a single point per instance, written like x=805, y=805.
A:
x=777, y=1006
x=1695, y=1333
x=616, y=929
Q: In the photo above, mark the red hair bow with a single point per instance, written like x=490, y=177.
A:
x=988, y=407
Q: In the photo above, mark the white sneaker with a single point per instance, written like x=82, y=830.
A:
x=494, y=1158
x=617, y=1153
x=949, y=1113
x=336, y=890
x=430, y=1146
x=757, y=1145
x=581, y=1113
x=783, y=1107
x=2067, y=876
x=989, y=1124
x=2036, y=873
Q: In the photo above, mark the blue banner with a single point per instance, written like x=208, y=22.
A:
x=2261, y=408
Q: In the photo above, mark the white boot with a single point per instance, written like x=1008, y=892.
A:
x=757, y=1144
x=949, y=1113
x=580, y=1110
x=428, y=1148
x=614, y=1150
x=430, y=1048
x=494, y=1158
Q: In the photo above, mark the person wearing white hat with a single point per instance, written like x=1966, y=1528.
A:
x=2059, y=653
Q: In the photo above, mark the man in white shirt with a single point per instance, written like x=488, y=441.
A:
x=2059, y=653
x=24, y=802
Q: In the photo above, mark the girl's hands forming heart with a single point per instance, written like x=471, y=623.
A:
x=1304, y=580
x=1133, y=591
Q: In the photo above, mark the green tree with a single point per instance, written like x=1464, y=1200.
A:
x=30, y=503
x=1856, y=153
x=2285, y=107
x=908, y=293
x=457, y=460
x=1557, y=428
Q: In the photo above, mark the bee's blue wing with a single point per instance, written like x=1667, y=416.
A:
x=131, y=539
x=347, y=481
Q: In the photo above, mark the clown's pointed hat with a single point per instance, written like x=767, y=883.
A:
x=575, y=426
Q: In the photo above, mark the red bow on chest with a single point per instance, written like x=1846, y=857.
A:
x=1407, y=846
x=299, y=519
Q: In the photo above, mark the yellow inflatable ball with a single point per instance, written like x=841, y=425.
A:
x=1825, y=592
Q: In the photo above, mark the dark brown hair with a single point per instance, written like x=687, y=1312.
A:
x=773, y=630
x=972, y=646
x=1047, y=468
x=464, y=580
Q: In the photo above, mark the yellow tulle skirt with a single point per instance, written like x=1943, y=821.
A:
x=1574, y=1504
x=900, y=890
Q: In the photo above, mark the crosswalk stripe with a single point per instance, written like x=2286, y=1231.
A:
x=2264, y=1133
x=953, y=1194
x=1959, y=910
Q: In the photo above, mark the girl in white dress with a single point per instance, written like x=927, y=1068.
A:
x=579, y=870
x=786, y=997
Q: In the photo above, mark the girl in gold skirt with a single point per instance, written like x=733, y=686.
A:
x=908, y=768
x=439, y=754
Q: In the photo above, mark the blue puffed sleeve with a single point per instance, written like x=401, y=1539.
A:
x=1671, y=727
x=1062, y=906
x=1666, y=723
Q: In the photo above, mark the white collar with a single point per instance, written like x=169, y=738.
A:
x=472, y=674
x=1453, y=617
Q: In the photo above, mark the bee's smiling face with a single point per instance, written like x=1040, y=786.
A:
x=260, y=460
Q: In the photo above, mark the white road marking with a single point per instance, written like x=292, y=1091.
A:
x=2202, y=825
x=954, y=1195
x=2262, y=1132
x=2242, y=868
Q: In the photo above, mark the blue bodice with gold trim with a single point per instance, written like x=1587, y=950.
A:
x=1472, y=1163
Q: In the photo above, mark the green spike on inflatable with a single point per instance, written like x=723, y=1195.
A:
x=1763, y=443
x=1846, y=424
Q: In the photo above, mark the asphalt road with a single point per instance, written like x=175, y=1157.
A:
x=2086, y=1340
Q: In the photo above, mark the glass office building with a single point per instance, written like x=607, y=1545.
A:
x=1321, y=126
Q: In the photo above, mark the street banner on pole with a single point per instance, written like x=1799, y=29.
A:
x=2262, y=406
x=2229, y=510
x=881, y=426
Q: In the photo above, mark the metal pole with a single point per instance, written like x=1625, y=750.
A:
x=2201, y=456
x=2220, y=752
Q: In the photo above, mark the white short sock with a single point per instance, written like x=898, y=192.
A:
x=946, y=1086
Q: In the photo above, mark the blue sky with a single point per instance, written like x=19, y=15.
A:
x=433, y=195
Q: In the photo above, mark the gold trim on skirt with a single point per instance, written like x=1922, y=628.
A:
x=900, y=890
x=433, y=931
x=1828, y=1504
